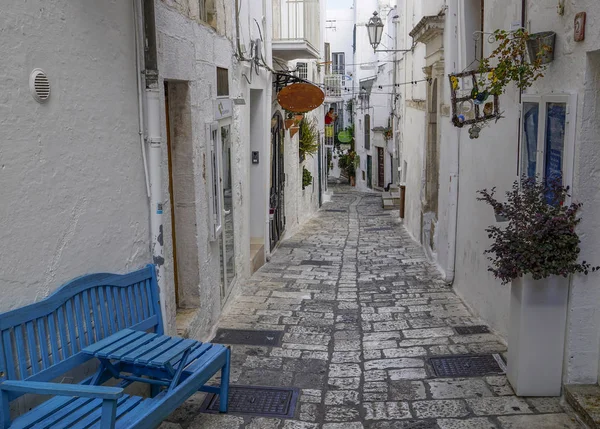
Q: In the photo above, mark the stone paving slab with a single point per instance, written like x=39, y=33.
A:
x=358, y=333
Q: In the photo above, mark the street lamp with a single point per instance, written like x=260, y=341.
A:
x=375, y=31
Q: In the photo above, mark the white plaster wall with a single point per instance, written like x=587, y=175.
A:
x=576, y=70
x=73, y=189
x=190, y=51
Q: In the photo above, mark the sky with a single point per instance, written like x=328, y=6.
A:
x=339, y=4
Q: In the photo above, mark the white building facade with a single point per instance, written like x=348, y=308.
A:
x=443, y=168
x=83, y=168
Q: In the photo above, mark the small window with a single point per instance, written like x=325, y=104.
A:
x=207, y=12
x=546, y=140
x=222, y=82
x=339, y=63
x=302, y=70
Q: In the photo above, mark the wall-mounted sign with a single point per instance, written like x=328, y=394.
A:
x=301, y=97
x=223, y=108
x=580, y=27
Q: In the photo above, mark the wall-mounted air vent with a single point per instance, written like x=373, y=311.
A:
x=39, y=85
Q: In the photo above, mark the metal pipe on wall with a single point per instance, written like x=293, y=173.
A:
x=154, y=140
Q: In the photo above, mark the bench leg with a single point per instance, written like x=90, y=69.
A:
x=155, y=389
x=109, y=414
x=224, y=391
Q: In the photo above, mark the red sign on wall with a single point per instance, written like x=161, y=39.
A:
x=580, y=27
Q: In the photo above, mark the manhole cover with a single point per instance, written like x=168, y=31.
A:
x=469, y=330
x=468, y=366
x=316, y=263
x=336, y=211
x=250, y=338
x=258, y=401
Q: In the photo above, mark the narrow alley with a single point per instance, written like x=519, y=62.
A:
x=361, y=312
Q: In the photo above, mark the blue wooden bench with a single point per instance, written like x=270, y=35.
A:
x=116, y=321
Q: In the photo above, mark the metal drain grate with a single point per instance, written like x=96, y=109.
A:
x=249, y=338
x=468, y=366
x=470, y=330
x=258, y=401
x=316, y=263
x=336, y=211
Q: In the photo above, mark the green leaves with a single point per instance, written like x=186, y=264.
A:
x=309, y=143
x=539, y=237
x=508, y=64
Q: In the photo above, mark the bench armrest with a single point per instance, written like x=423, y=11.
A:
x=77, y=390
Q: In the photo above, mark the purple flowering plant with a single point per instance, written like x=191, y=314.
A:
x=539, y=237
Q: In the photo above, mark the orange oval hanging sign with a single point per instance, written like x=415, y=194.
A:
x=301, y=97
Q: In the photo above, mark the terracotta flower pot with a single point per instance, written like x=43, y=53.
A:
x=294, y=130
x=289, y=123
x=352, y=181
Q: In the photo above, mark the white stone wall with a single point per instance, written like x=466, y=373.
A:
x=491, y=161
x=190, y=51
x=73, y=187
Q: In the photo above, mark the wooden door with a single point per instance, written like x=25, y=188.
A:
x=380, y=168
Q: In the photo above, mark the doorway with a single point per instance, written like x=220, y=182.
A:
x=227, y=238
x=276, y=197
x=258, y=175
x=380, y=167
x=182, y=198
x=369, y=171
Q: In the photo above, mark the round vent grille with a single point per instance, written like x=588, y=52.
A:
x=39, y=85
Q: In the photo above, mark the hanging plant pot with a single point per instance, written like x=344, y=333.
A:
x=289, y=123
x=541, y=45
x=298, y=118
x=294, y=130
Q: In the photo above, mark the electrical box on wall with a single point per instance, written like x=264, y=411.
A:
x=255, y=157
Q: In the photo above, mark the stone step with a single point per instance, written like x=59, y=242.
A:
x=585, y=400
x=391, y=204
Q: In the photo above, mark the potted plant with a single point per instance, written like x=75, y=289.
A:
x=348, y=163
x=289, y=120
x=309, y=138
x=535, y=250
x=307, y=178
x=507, y=63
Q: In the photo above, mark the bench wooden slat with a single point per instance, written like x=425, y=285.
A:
x=21, y=354
x=79, y=319
x=110, y=310
x=93, y=348
x=132, y=313
x=63, y=421
x=71, y=326
x=125, y=405
x=145, y=358
x=53, y=339
x=99, y=327
x=138, y=298
x=123, y=301
x=111, y=348
x=171, y=353
x=9, y=353
x=32, y=346
x=89, y=327
x=43, y=340
x=62, y=331
x=144, y=349
x=43, y=411
x=128, y=348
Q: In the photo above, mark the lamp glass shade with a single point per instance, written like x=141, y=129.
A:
x=375, y=30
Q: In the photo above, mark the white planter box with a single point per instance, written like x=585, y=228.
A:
x=536, y=338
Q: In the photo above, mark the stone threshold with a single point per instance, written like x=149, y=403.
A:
x=585, y=400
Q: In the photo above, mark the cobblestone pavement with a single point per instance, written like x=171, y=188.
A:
x=358, y=334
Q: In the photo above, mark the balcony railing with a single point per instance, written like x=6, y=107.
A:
x=296, y=21
x=333, y=85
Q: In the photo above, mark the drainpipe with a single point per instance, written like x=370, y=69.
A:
x=267, y=23
x=155, y=149
x=453, y=177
